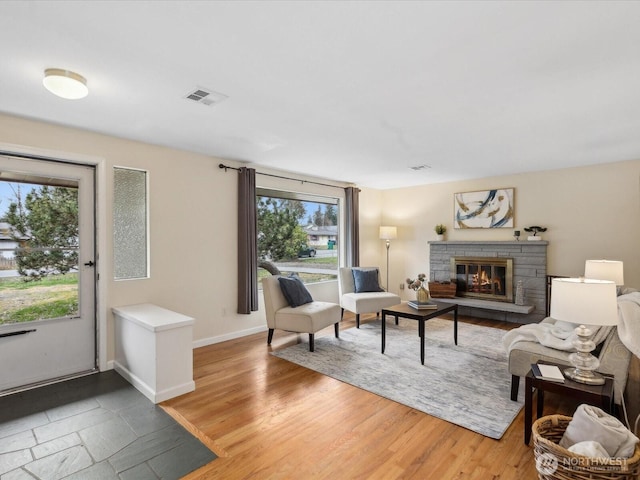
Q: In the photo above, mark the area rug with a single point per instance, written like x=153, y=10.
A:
x=468, y=384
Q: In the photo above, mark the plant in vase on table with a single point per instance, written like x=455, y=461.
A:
x=419, y=285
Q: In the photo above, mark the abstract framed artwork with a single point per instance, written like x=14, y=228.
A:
x=484, y=209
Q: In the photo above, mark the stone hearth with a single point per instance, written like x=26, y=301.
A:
x=529, y=266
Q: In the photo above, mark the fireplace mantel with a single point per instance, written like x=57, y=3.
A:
x=529, y=267
x=525, y=243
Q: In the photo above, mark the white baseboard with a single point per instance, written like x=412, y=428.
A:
x=174, y=391
x=229, y=336
x=149, y=392
x=135, y=381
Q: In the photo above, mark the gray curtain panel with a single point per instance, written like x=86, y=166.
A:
x=247, y=242
x=352, y=234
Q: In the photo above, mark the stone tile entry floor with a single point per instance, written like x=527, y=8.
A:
x=97, y=427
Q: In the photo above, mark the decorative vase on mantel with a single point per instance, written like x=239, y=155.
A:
x=422, y=294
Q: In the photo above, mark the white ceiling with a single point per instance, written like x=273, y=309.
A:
x=354, y=91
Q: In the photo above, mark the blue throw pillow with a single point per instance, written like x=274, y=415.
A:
x=294, y=291
x=366, y=280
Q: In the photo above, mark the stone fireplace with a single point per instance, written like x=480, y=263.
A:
x=487, y=274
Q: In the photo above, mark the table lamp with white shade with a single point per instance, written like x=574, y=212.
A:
x=388, y=233
x=605, y=270
x=587, y=302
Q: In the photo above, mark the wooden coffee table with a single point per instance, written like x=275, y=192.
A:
x=405, y=311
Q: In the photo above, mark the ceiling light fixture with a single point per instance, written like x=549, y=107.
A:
x=65, y=84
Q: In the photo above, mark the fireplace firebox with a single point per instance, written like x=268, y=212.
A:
x=487, y=278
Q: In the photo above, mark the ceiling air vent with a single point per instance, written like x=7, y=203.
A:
x=206, y=96
x=420, y=167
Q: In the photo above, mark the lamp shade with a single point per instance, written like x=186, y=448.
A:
x=388, y=233
x=605, y=270
x=584, y=301
x=65, y=84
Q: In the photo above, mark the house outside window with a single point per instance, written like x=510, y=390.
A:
x=298, y=233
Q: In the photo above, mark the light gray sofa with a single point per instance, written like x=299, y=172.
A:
x=614, y=360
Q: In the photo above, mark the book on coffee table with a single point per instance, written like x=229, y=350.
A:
x=423, y=305
x=550, y=373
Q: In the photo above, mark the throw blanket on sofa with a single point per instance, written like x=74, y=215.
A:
x=559, y=335
x=629, y=321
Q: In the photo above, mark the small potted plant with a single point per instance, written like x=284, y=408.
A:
x=440, y=231
x=535, y=230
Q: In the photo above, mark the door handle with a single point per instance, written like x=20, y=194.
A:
x=89, y=264
x=18, y=332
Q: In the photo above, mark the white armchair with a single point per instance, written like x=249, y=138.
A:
x=307, y=318
x=366, y=299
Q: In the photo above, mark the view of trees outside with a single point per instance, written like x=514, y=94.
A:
x=326, y=217
x=39, y=251
x=280, y=236
x=46, y=225
x=297, y=236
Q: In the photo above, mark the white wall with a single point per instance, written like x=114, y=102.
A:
x=590, y=212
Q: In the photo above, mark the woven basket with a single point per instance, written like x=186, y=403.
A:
x=442, y=289
x=554, y=462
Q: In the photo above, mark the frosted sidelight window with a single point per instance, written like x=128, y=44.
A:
x=130, y=239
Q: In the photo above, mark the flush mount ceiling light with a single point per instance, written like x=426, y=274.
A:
x=65, y=84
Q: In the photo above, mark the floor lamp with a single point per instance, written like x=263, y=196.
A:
x=388, y=234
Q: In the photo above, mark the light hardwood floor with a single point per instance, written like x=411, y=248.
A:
x=267, y=418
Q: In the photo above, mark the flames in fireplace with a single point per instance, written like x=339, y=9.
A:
x=481, y=282
x=485, y=278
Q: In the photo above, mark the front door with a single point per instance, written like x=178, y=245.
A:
x=47, y=271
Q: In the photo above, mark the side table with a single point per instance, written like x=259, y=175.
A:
x=597, y=395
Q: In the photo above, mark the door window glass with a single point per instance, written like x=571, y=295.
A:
x=38, y=250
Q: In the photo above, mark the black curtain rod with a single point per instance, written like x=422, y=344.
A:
x=226, y=167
